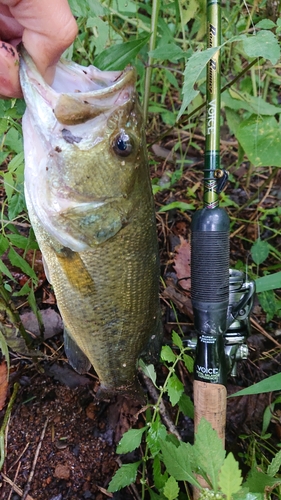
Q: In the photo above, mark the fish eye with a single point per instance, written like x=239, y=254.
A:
x=122, y=144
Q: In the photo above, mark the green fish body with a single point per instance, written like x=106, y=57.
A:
x=90, y=203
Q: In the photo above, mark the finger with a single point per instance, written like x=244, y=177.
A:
x=49, y=28
x=9, y=71
x=10, y=29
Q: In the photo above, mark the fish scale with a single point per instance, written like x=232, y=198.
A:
x=92, y=211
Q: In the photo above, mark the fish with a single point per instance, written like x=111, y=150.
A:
x=89, y=200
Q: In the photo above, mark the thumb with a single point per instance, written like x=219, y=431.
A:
x=9, y=71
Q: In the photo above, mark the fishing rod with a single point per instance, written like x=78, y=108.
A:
x=221, y=298
x=210, y=255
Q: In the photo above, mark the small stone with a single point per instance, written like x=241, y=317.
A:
x=62, y=472
x=91, y=411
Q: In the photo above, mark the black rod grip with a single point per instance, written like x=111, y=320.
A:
x=210, y=291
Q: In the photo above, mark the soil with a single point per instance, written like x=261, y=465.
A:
x=60, y=441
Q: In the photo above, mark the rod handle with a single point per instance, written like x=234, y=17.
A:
x=210, y=403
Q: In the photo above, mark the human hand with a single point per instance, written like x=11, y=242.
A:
x=46, y=28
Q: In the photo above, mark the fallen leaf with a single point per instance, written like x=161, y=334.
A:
x=182, y=302
x=52, y=321
x=3, y=383
x=65, y=375
x=182, y=263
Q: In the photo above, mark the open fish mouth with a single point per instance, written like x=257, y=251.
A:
x=68, y=142
x=77, y=93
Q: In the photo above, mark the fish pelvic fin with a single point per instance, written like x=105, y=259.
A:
x=77, y=359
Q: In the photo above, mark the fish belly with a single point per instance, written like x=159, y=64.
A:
x=108, y=296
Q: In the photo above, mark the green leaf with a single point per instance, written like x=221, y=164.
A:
x=22, y=242
x=16, y=162
x=232, y=117
x=8, y=184
x=5, y=270
x=4, y=244
x=171, y=489
x=207, y=438
x=177, y=340
x=270, y=282
x=100, y=33
x=4, y=349
x=16, y=205
x=180, y=205
x=178, y=461
x=269, y=384
x=237, y=100
x=154, y=496
x=260, y=137
x=3, y=126
x=275, y=465
x=244, y=494
x=149, y=371
x=186, y=406
x=267, y=415
x=13, y=140
x=156, y=432
x=175, y=389
x=230, y=478
x=269, y=304
x=167, y=354
x=266, y=419
x=167, y=51
x=125, y=6
x=265, y=24
x=18, y=261
x=119, y=56
x=260, y=251
x=123, y=477
x=130, y=440
x=263, y=44
x=79, y=9
x=25, y=290
x=194, y=67
x=188, y=362
x=159, y=479
x=258, y=481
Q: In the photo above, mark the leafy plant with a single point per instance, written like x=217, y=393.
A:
x=154, y=431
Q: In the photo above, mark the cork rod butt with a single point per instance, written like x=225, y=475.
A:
x=210, y=403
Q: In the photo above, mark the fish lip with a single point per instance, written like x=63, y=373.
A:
x=123, y=77
x=99, y=91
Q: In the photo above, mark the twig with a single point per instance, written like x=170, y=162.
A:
x=15, y=478
x=162, y=409
x=15, y=487
x=135, y=491
x=267, y=192
x=255, y=195
x=28, y=484
x=19, y=457
x=105, y=492
x=264, y=332
x=5, y=423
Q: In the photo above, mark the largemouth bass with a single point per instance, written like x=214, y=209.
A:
x=90, y=203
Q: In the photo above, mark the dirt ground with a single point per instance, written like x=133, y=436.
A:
x=60, y=442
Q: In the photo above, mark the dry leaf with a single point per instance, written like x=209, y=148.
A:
x=182, y=263
x=3, y=383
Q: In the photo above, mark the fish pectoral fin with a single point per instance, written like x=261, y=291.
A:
x=92, y=227
x=76, y=357
x=46, y=269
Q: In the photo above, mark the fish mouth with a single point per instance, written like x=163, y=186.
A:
x=78, y=93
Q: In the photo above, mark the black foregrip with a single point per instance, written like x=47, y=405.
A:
x=210, y=290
